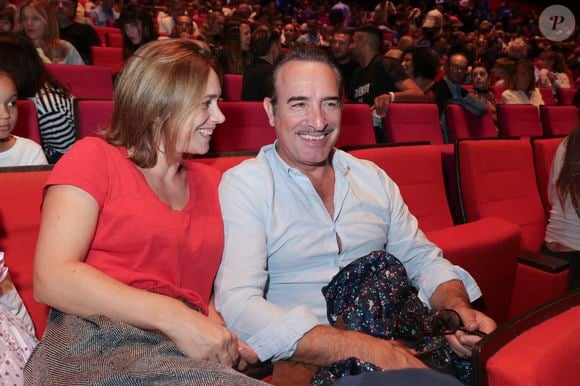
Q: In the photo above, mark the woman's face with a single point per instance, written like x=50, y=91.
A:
x=480, y=78
x=523, y=78
x=134, y=32
x=195, y=135
x=407, y=64
x=245, y=35
x=33, y=24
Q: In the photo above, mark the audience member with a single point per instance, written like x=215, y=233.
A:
x=289, y=36
x=235, y=53
x=563, y=231
x=317, y=210
x=54, y=104
x=137, y=28
x=480, y=78
x=7, y=19
x=213, y=30
x=341, y=54
x=265, y=49
x=521, y=85
x=105, y=14
x=501, y=68
x=184, y=28
x=81, y=36
x=312, y=37
x=422, y=65
x=553, y=71
x=451, y=85
x=131, y=237
x=14, y=150
x=168, y=22
x=37, y=20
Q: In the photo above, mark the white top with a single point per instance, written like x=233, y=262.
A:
x=564, y=223
x=281, y=245
x=518, y=97
x=25, y=152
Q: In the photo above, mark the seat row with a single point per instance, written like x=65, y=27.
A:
x=503, y=210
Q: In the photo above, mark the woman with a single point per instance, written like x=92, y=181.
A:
x=137, y=28
x=422, y=65
x=480, y=78
x=54, y=104
x=563, y=231
x=521, y=85
x=132, y=236
x=36, y=19
x=235, y=53
x=553, y=71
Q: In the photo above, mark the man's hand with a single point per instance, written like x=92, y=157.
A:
x=462, y=342
x=380, y=104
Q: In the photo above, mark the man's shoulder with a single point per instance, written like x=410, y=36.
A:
x=252, y=169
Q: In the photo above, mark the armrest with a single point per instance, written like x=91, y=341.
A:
x=543, y=262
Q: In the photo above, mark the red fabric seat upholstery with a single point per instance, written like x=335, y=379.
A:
x=84, y=82
x=19, y=225
x=519, y=121
x=544, y=150
x=356, y=127
x=103, y=33
x=27, y=124
x=232, y=91
x=115, y=40
x=92, y=116
x=497, y=91
x=410, y=122
x=547, y=96
x=558, y=120
x=246, y=128
x=479, y=247
x=111, y=57
x=462, y=124
x=224, y=161
x=566, y=95
x=540, y=348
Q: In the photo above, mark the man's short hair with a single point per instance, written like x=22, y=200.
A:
x=263, y=37
x=374, y=36
x=304, y=54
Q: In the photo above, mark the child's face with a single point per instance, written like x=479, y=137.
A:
x=8, y=110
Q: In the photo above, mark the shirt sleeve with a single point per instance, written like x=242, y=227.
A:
x=270, y=330
x=423, y=260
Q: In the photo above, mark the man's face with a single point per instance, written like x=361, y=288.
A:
x=456, y=69
x=307, y=113
x=339, y=46
x=183, y=27
x=356, y=45
x=64, y=10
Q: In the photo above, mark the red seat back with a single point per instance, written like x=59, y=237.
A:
x=246, y=128
x=417, y=170
x=84, y=82
x=547, y=96
x=519, y=121
x=411, y=122
x=19, y=225
x=558, y=120
x=566, y=96
x=498, y=179
x=497, y=91
x=462, y=124
x=92, y=116
x=232, y=91
x=224, y=161
x=111, y=57
x=27, y=124
x=103, y=33
x=544, y=150
x=356, y=126
x=115, y=40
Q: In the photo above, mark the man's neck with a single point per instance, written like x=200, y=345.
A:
x=366, y=58
x=65, y=24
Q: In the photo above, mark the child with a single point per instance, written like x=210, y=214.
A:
x=14, y=150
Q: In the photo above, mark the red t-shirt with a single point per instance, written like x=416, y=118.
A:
x=139, y=240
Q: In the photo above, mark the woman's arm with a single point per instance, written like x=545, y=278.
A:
x=63, y=281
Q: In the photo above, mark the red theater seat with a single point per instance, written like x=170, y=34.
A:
x=19, y=225
x=558, y=120
x=111, y=57
x=547, y=96
x=246, y=128
x=84, y=82
x=541, y=347
x=519, y=121
x=566, y=95
x=356, y=127
x=224, y=161
x=544, y=150
x=92, y=116
x=411, y=122
x=232, y=87
x=103, y=33
x=462, y=124
x=115, y=40
x=488, y=249
x=27, y=124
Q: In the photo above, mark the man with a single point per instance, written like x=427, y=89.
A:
x=312, y=37
x=301, y=211
x=184, y=28
x=379, y=80
x=167, y=22
x=81, y=36
x=340, y=52
x=265, y=48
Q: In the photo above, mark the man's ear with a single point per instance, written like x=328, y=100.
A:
x=269, y=110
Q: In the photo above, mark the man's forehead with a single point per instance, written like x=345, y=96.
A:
x=292, y=74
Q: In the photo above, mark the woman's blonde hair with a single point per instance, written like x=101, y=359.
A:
x=50, y=43
x=159, y=87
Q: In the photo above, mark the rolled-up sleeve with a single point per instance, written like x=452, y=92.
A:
x=240, y=285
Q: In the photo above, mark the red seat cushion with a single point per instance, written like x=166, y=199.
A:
x=92, y=116
x=463, y=124
x=232, y=87
x=85, y=82
x=519, y=121
x=558, y=120
x=27, y=124
x=409, y=122
x=356, y=127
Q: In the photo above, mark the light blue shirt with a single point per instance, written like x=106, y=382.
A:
x=281, y=245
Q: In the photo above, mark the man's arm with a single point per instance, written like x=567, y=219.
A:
x=408, y=92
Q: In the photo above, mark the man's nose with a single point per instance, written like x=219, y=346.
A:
x=317, y=118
